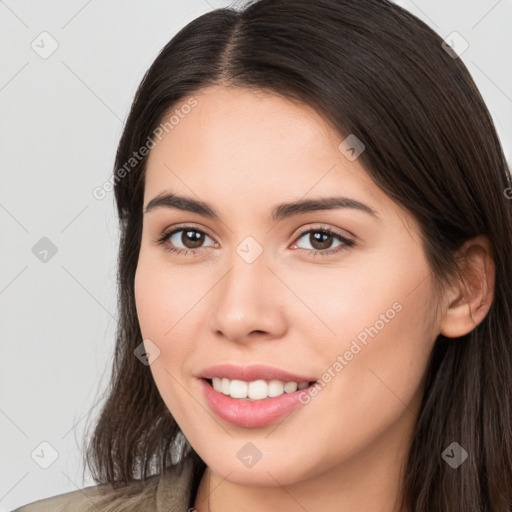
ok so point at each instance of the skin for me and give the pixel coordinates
(244, 152)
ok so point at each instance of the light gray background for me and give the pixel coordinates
(60, 121)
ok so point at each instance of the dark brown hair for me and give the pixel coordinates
(374, 70)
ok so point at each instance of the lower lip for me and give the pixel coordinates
(250, 414)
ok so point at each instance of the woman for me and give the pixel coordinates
(314, 270)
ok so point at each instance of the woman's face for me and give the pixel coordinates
(263, 285)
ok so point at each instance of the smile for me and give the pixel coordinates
(252, 413)
(256, 389)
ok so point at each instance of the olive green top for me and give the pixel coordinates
(170, 492)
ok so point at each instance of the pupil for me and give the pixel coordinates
(193, 238)
(320, 239)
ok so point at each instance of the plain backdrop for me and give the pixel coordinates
(68, 73)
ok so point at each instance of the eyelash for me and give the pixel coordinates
(347, 243)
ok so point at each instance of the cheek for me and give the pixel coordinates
(168, 303)
(384, 354)
(162, 296)
(376, 330)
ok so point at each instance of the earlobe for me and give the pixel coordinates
(468, 301)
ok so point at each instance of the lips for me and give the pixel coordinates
(245, 413)
(252, 373)
(249, 414)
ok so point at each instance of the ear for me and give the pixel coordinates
(470, 297)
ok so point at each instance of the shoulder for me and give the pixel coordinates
(75, 500)
(158, 493)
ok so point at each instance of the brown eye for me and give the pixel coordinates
(321, 241)
(184, 239)
(192, 239)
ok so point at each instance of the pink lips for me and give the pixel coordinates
(254, 372)
(246, 413)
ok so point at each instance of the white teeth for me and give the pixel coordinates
(238, 389)
(290, 387)
(256, 389)
(217, 384)
(275, 388)
(225, 386)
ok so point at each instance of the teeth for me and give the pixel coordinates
(275, 388)
(290, 387)
(224, 386)
(238, 389)
(256, 389)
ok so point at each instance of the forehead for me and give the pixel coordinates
(256, 145)
(234, 122)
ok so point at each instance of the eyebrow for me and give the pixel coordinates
(279, 212)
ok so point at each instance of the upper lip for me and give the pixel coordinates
(253, 372)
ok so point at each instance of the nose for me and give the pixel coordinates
(248, 302)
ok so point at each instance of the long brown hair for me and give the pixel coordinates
(373, 70)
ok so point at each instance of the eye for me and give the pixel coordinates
(191, 237)
(321, 240)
